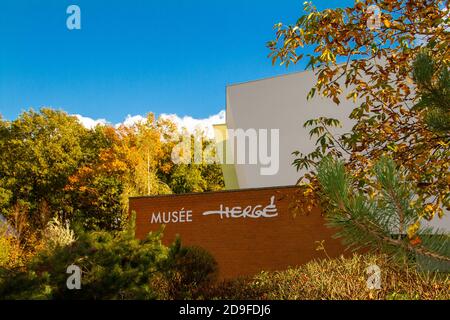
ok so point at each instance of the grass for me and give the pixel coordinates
(337, 279)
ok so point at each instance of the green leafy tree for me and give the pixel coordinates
(201, 174)
(40, 150)
(97, 203)
(187, 178)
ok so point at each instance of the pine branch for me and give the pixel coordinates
(367, 222)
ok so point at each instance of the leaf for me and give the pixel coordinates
(336, 100)
(412, 229)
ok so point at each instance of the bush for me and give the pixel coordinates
(5, 249)
(241, 288)
(114, 266)
(12, 252)
(57, 234)
(190, 270)
(337, 279)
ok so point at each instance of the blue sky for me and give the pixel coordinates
(132, 57)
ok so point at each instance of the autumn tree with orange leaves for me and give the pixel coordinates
(365, 53)
(52, 166)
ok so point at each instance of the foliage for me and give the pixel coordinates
(13, 254)
(190, 270)
(54, 172)
(373, 68)
(22, 240)
(187, 178)
(386, 219)
(434, 90)
(58, 234)
(54, 167)
(337, 279)
(114, 266)
(198, 175)
(39, 152)
(5, 250)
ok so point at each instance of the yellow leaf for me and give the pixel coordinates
(412, 229)
(387, 23)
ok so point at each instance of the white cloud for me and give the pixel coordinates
(90, 123)
(189, 123)
(132, 120)
(192, 124)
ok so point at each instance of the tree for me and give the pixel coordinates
(122, 163)
(374, 66)
(187, 178)
(52, 166)
(95, 189)
(40, 150)
(434, 92)
(142, 145)
(386, 219)
(199, 174)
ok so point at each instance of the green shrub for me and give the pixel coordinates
(190, 270)
(114, 266)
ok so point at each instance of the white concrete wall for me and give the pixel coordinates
(280, 103)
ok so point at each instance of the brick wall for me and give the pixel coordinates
(242, 245)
